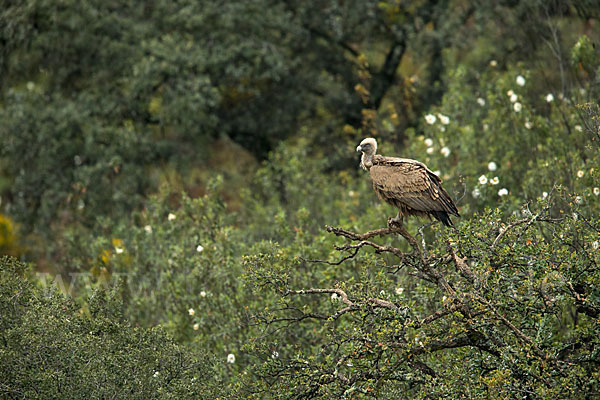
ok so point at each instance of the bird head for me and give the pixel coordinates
(368, 146)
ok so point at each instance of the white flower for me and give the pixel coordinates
(203, 294)
(196, 327)
(351, 193)
(199, 248)
(156, 374)
(544, 195)
(514, 98)
(429, 150)
(520, 80)
(191, 311)
(580, 174)
(445, 151)
(30, 86)
(382, 293)
(230, 358)
(510, 93)
(399, 290)
(481, 101)
(502, 192)
(476, 193)
(335, 297)
(495, 180)
(437, 172)
(119, 250)
(428, 142)
(430, 118)
(171, 217)
(444, 298)
(492, 166)
(274, 354)
(578, 128)
(442, 129)
(528, 125)
(596, 191)
(493, 63)
(595, 245)
(483, 180)
(578, 200)
(444, 119)
(549, 98)
(517, 107)
(148, 229)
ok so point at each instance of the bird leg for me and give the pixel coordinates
(395, 221)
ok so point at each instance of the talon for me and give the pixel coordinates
(394, 223)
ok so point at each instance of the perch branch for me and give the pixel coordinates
(378, 232)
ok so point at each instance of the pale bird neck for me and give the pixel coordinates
(366, 161)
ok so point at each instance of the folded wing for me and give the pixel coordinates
(412, 187)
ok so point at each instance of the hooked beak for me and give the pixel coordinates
(358, 148)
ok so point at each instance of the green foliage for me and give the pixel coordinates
(168, 79)
(71, 165)
(51, 347)
(180, 252)
(494, 309)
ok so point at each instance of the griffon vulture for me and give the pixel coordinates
(406, 184)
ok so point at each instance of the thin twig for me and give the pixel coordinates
(333, 263)
(509, 227)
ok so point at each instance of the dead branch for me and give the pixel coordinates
(344, 298)
(333, 263)
(505, 230)
(438, 314)
(461, 264)
(339, 292)
(378, 232)
(378, 248)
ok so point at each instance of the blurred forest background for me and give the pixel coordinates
(167, 169)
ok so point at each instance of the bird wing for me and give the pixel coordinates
(412, 183)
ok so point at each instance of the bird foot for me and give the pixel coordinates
(394, 222)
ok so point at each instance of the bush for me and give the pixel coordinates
(52, 347)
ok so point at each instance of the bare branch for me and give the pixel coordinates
(462, 266)
(344, 298)
(505, 230)
(334, 263)
(438, 314)
(339, 292)
(378, 248)
(395, 229)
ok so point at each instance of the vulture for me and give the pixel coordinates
(406, 184)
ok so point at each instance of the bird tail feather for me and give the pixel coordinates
(443, 216)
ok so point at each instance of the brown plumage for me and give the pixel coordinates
(406, 184)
